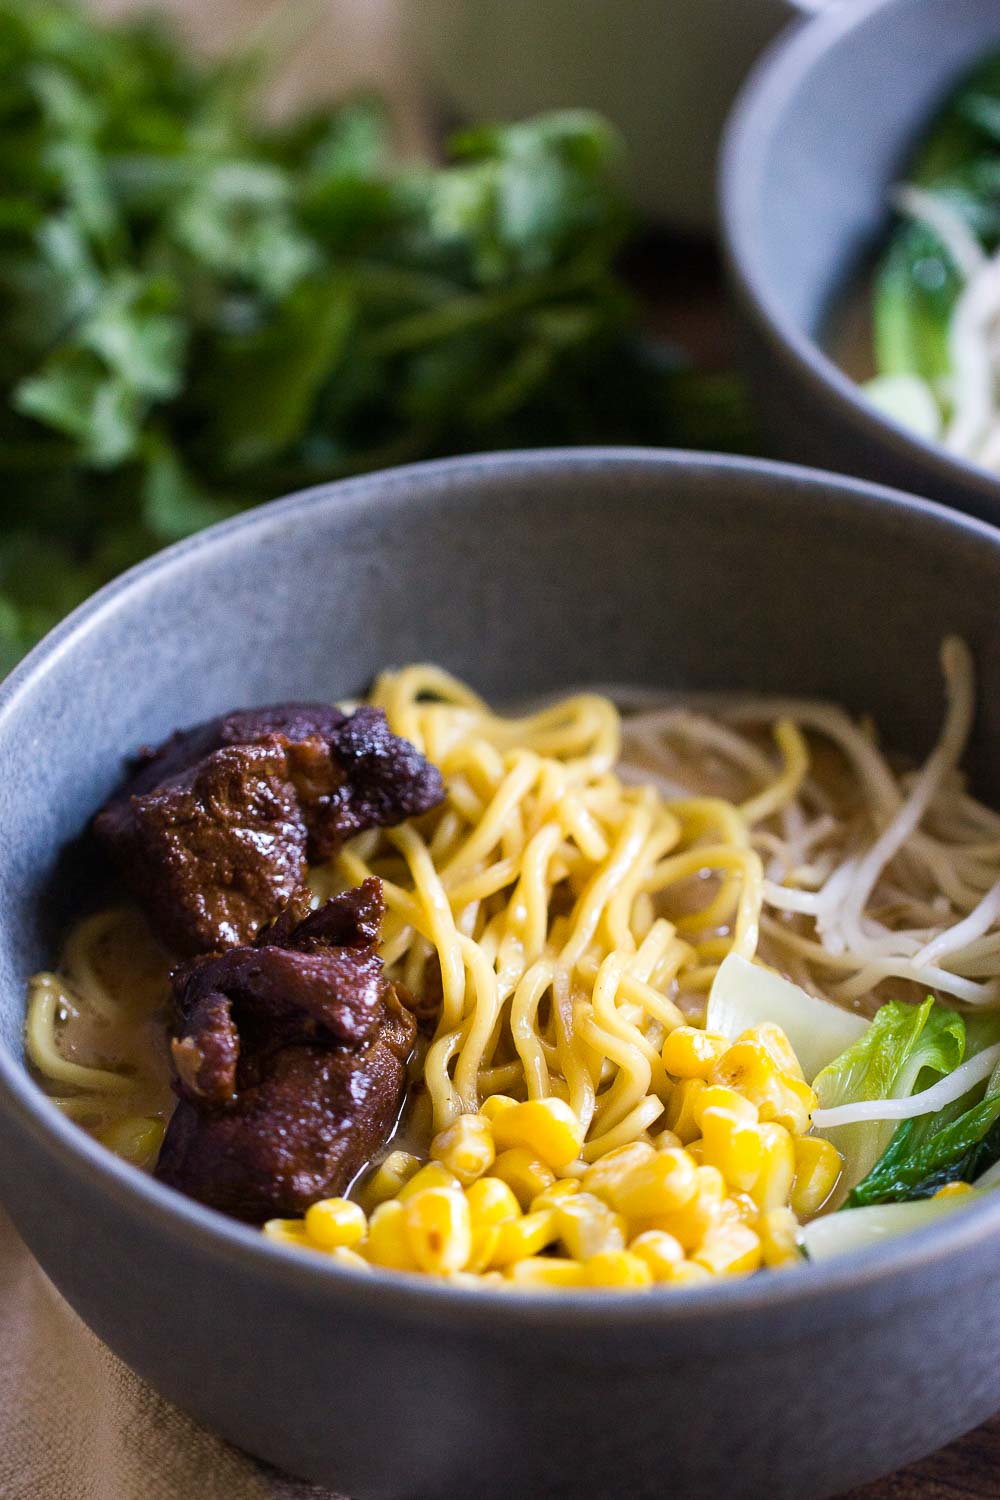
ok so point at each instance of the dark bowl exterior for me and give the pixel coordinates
(821, 131)
(523, 573)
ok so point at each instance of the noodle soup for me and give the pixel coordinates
(687, 989)
(922, 336)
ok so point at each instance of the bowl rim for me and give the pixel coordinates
(777, 79)
(412, 1298)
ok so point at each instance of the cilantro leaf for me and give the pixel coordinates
(200, 310)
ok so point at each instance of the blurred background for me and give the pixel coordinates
(345, 45)
(664, 71)
(255, 245)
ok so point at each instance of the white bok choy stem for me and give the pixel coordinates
(864, 1228)
(744, 994)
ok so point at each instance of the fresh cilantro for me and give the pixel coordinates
(199, 312)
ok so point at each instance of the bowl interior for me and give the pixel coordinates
(521, 574)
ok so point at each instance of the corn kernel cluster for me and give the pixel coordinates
(506, 1201)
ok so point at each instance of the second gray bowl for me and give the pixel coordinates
(524, 574)
(822, 130)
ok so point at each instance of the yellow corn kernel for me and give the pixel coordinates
(717, 1096)
(792, 1106)
(706, 1209)
(818, 1165)
(484, 1244)
(287, 1232)
(476, 1281)
(135, 1138)
(388, 1243)
(773, 1186)
(523, 1173)
(348, 1258)
(777, 1044)
(606, 1174)
(434, 1175)
(660, 1185)
(733, 1145)
(439, 1230)
(749, 1068)
(617, 1269)
(779, 1237)
(661, 1252)
(953, 1190)
(387, 1179)
(689, 1052)
(747, 1210)
(680, 1111)
(335, 1221)
(586, 1225)
(465, 1148)
(663, 1140)
(689, 1273)
(546, 1270)
(731, 1249)
(495, 1104)
(526, 1236)
(547, 1127)
(696, 1151)
(491, 1201)
(551, 1197)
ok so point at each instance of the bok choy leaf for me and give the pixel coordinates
(902, 1051)
(955, 1144)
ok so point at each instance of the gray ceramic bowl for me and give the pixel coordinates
(823, 128)
(522, 573)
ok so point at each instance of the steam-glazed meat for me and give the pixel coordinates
(290, 1063)
(214, 829)
(302, 1133)
(217, 849)
(385, 780)
(305, 976)
(186, 747)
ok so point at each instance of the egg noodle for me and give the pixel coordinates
(570, 901)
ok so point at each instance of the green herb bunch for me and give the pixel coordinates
(199, 312)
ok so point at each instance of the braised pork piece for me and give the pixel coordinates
(290, 1060)
(289, 1044)
(214, 829)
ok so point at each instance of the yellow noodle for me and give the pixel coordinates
(482, 1021)
(47, 994)
(699, 814)
(532, 902)
(744, 861)
(537, 883)
(632, 1081)
(79, 960)
(632, 1128)
(570, 917)
(796, 763)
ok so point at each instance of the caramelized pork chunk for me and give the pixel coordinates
(214, 830)
(290, 1062)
